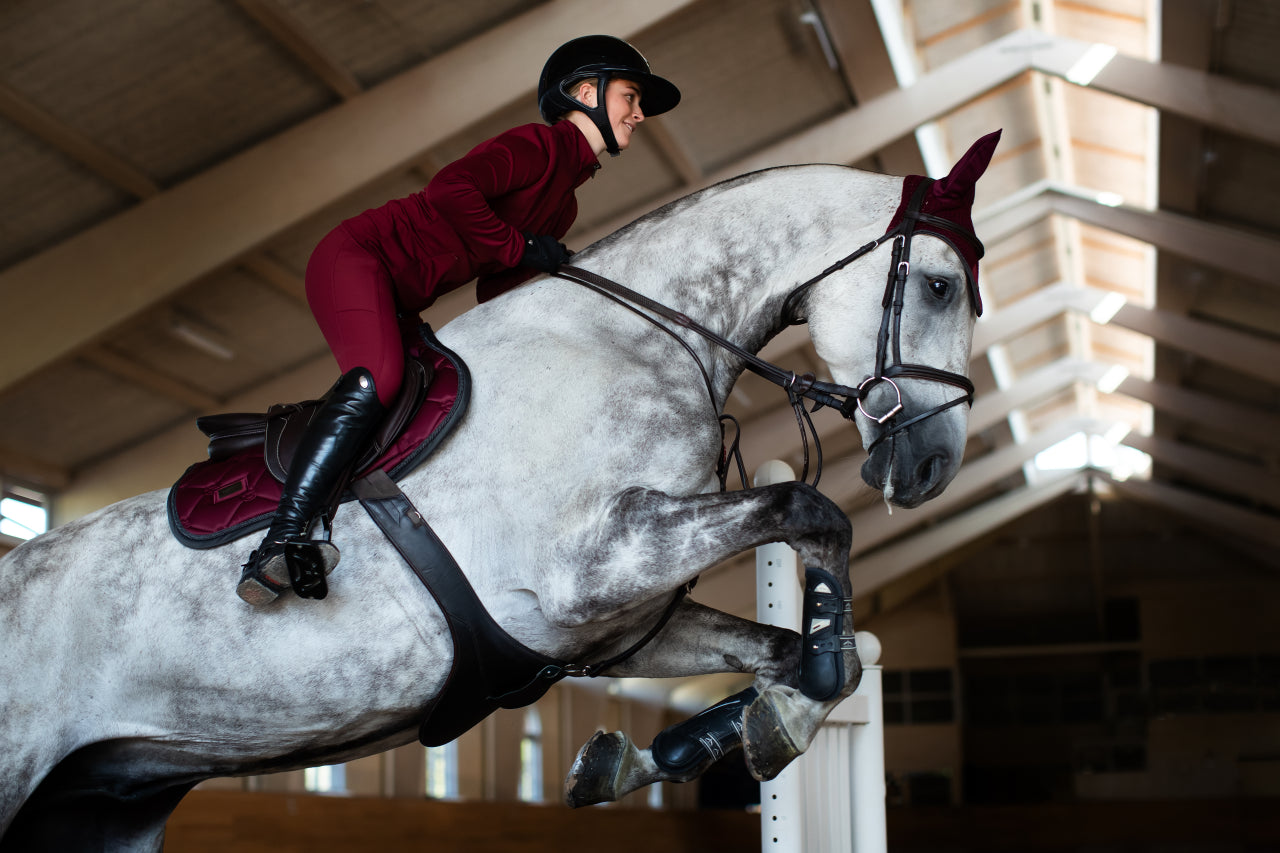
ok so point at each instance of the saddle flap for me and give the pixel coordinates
(285, 424)
(223, 498)
(413, 391)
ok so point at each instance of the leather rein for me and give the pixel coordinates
(799, 387)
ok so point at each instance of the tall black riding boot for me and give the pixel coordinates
(331, 444)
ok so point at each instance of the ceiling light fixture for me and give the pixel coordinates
(201, 341)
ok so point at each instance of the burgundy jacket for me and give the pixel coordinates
(467, 222)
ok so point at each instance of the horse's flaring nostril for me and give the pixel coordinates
(927, 472)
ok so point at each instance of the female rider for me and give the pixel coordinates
(498, 214)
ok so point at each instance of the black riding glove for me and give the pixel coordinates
(543, 252)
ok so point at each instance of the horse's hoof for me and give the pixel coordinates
(598, 770)
(767, 743)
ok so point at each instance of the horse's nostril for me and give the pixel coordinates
(928, 471)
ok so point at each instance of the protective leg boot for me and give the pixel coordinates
(824, 639)
(331, 444)
(690, 747)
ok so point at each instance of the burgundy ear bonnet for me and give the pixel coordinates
(946, 211)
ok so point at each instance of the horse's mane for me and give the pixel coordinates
(677, 206)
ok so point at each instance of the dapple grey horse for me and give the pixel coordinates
(578, 493)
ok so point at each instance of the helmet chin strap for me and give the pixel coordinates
(599, 114)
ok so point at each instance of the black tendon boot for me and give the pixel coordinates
(690, 747)
(331, 444)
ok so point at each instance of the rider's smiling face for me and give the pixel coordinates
(622, 99)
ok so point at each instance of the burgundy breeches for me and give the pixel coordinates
(353, 299)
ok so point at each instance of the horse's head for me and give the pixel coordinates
(910, 359)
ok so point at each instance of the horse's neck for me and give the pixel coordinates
(729, 257)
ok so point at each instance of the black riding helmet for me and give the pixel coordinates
(601, 57)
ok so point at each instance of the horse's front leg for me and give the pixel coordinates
(797, 685)
(697, 640)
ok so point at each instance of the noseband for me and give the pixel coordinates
(890, 335)
(800, 387)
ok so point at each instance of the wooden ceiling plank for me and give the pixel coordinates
(103, 163)
(140, 257)
(291, 35)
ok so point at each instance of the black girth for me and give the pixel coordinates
(490, 668)
(801, 387)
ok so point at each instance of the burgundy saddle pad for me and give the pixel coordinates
(216, 501)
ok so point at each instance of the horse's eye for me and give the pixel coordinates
(939, 287)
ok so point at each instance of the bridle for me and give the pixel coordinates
(799, 387)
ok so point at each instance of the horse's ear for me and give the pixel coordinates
(959, 184)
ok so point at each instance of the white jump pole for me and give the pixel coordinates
(832, 798)
(778, 596)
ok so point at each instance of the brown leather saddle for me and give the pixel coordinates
(235, 490)
(279, 431)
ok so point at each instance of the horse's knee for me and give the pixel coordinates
(817, 527)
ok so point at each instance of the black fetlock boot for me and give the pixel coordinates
(331, 444)
(690, 747)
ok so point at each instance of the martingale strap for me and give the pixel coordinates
(490, 668)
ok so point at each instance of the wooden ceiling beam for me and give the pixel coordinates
(293, 37)
(34, 472)
(126, 264)
(1238, 108)
(868, 71)
(1249, 354)
(1234, 420)
(1249, 255)
(144, 377)
(1210, 513)
(105, 164)
(873, 527)
(872, 571)
(676, 153)
(1222, 473)
(276, 274)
